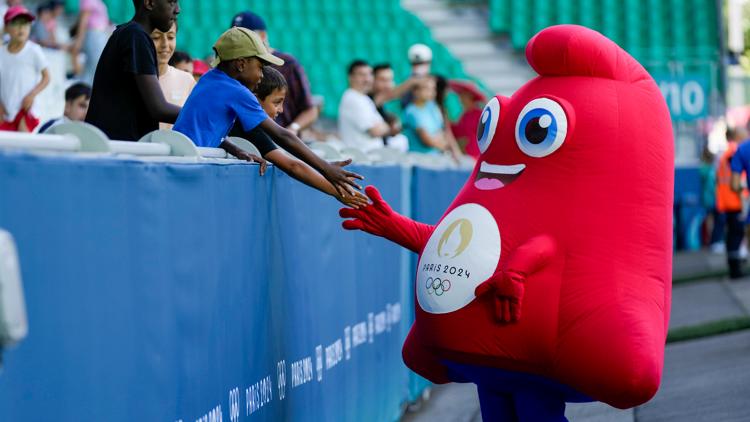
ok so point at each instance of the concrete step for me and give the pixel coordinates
(464, 30)
(459, 31)
(420, 4)
(703, 302)
(686, 264)
(741, 290)
(502, 81)
(704, 380)
(443, 15)
(597, 412)
(502, 85)
(493, 65)
(476, 49)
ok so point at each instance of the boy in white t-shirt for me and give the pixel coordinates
(23, 73)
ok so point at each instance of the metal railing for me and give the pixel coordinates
(172, 146)
(82, 137)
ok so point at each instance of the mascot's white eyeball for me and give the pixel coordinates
(541, 127)
(488, 124)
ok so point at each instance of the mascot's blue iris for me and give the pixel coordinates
(538, 128)
(541, 127)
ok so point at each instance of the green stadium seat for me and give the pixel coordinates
(500, 15)
(521, 25)
(590, 14)
(566, 11)
(541, 15)
(649, 29)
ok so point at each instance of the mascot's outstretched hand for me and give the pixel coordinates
(379, 219)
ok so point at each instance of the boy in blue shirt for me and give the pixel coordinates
(223, 96)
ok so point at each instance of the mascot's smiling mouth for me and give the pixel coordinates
(493, 176)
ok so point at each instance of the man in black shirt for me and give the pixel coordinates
(126, 99)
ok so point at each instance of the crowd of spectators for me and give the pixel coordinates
(131, 79)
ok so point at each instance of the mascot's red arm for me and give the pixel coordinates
(508, 282)
(379, 219)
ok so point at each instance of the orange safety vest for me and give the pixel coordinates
(727, 200)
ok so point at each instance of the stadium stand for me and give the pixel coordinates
(324, 35)
(652, 31)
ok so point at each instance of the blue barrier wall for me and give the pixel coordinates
(166, 292)
(432, 191)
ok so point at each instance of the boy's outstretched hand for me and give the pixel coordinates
(342, 180)
(356, 200)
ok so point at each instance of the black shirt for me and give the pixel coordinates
(387, 117)
(116, 106)
(257, 136)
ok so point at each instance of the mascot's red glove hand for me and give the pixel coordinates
(379, 219)
(508, 283)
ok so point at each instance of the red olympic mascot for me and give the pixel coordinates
(548, 278)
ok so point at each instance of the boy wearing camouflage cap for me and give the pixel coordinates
(223, 96)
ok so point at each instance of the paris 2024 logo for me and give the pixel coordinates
(462, 252)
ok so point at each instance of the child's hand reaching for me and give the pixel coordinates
(356, 201)
(342, 180)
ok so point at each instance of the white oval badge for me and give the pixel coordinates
(462, 252)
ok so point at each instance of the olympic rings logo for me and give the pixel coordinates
(437, 286)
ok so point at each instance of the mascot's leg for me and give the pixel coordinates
(496, 406)
(515, 396)
(420, 360)
(539, 405)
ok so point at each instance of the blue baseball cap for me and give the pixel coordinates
(249, 20)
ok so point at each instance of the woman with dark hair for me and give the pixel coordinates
(176, 84)
(441, 84)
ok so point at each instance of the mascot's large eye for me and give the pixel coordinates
(488, 124)
(541, 127)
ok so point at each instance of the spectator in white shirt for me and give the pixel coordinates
(23, 73)
(360, 124)
(176, 84)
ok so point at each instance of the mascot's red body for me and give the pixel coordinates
(555, 257)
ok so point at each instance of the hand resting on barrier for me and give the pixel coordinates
(241, 154)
